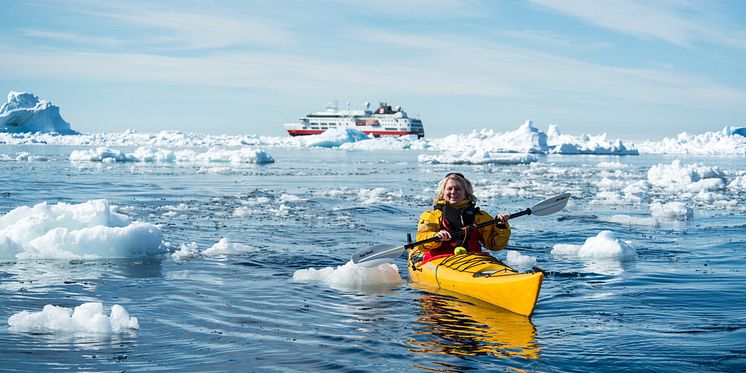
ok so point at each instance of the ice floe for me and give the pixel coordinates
(86, 318)
(89, 230)
(603, 246)
(352, 276)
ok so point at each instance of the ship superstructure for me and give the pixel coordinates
(384, 121)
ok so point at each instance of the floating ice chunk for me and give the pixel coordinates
(186, 252)
(9, 248)
(676, 211)
(603, 246)
(28, 157)
(606, 246)
(86, 318)
(88, 230)
(738, 183)
(153, 154)
(226, 247)
(565, 250)
(610, 184)
(475, 156)
(334, 137)
(352, 276)
(371, 196)
(218, 155)
(387, 143)
(612, 165)
(291, 198)
(628, 196)
(100, 154)
(516, 259)
(679, 177)
(378, 195)
(633, 220)
(638, 188)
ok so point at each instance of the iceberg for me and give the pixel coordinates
(25, 113)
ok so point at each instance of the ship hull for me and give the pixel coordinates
(304, 132)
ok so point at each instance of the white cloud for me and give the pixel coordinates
(442, 65)
(677, 22)
(181, 28)
(68, 37)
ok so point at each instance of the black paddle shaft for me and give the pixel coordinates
(480, 225)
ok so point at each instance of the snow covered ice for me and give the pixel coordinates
(149, 154)
(43, 125)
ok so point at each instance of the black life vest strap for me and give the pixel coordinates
(458, 218)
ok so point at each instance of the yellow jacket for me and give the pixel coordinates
(492, 237)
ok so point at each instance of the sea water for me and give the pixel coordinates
(676, 304)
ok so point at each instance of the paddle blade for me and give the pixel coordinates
(551, 205)
(374, 253)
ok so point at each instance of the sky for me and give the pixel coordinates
(631, 69)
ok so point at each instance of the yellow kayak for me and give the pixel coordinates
(480, 276)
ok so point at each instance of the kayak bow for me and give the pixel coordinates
(480, 276)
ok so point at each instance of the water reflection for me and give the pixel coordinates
(456, 325)
(45, 275)
(606, 267)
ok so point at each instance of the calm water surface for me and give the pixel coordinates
(678, 306)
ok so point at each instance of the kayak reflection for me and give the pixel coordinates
(449, 323)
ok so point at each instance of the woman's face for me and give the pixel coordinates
(453, 193)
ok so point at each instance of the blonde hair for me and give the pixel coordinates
(461, 180)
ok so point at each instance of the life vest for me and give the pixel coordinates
(453, 220)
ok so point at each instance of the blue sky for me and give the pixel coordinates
(631, 69)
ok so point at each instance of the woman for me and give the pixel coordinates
(453, 219)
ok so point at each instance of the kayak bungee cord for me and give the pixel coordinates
(464, 263)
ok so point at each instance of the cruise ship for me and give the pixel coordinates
(384, 121)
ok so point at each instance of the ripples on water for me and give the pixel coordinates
(679, 306)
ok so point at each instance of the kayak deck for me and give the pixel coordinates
(481, 276)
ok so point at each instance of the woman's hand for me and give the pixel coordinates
(444, 235)
(502, 218)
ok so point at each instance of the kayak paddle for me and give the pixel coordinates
(381, 253)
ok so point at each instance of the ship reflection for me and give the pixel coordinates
(452, 324)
